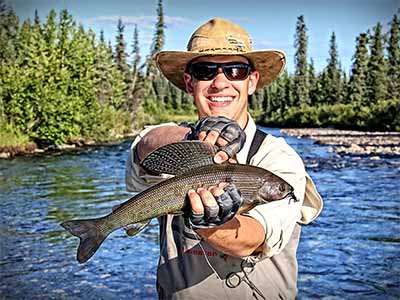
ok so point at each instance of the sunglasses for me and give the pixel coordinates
(209, 70)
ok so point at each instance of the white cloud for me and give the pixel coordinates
(144, 22)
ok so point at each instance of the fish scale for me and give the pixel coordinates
(168, 197)
(257, 186)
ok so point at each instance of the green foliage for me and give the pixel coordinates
(300, 78)
(358, 80)
(377, 67)
(11, 136)
(393, 49)
(57, 89)
(58, 83)
(333, 73)
(382, 116)
(8, 32)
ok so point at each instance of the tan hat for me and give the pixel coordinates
(220, 37)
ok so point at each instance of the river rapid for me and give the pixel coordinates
(352, 251)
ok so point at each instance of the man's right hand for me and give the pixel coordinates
(212, 207)
(220, 131)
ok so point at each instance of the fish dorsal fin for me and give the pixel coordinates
(178, 158)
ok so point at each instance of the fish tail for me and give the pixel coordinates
(89, 234)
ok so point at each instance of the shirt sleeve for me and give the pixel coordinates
(136, 178)
(279, 217)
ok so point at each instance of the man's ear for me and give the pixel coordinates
(187, 78)
(253, 80)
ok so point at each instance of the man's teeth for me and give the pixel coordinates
(221, 99)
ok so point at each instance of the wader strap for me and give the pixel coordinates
(255, 144)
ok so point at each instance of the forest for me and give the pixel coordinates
(61, 83)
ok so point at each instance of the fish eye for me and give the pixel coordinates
(282, 187)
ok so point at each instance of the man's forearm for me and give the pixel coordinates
(159, 137)
(239, 237)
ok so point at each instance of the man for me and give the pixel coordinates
(249, 256)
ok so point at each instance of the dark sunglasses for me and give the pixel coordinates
(208, 70)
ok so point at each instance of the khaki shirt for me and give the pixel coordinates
(192, 269)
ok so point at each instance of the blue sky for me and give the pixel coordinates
(270, 23)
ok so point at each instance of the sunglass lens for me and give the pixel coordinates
(204, 71)
(238, 72)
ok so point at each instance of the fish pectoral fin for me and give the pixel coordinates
(180, 157)
(134, 229)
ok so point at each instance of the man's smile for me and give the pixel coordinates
(220, 101)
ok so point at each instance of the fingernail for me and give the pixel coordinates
(218, 159)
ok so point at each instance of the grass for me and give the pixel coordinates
(13, 142)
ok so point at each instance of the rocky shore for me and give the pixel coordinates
(352, 142)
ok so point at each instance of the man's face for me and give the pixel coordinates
(221, 96)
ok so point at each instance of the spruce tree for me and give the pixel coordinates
(393, 50)
(313, 84)
(120, 54)
(377, 67)
(137, 83)
(358, 93)
(101, 39)
(158, 41)
(157, 85)
(300, 59)
(8, 32)
(135, 56)
(334, 88)
(36, 19)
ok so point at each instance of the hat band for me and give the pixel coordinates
(239, 50)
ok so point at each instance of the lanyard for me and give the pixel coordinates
(233, 280)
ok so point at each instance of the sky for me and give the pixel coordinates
(271, 24)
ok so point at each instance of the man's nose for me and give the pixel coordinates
(220, 81)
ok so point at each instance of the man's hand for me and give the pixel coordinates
(213, 207)
(220, 131)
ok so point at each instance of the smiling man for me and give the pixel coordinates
(212, 252)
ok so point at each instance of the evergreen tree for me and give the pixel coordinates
(157, 85)
(8, 32)
(377, 68)
(358, 78)
(313, 84)
(393, 50)
(137, 87)
(102, 37)
(36, 19)
(108, 81)
(120, 54)
(334, 84)
(300, 77)
(135, 52)
(158, 41)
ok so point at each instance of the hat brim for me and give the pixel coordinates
(269, 63)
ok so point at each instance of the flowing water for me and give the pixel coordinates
(352, 251)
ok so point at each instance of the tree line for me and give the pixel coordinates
(59, 83)
(367, 99)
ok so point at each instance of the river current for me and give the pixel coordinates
(352, 251)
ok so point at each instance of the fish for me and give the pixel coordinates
(193, 167)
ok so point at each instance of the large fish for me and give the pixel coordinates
(192, 163)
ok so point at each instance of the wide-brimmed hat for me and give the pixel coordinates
(220, 37)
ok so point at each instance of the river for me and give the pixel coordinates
(352, 251)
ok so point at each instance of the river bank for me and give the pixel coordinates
(345, 142)
(31, 148)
